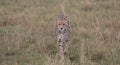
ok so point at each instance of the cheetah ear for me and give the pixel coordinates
(58, 17)
(67, 19)
(57, 20)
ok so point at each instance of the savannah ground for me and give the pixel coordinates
(27, 35)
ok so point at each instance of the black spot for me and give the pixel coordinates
(60, 45)
(66, 40)
(59, 40)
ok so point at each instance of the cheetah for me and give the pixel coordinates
(62, 34)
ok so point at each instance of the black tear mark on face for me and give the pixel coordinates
(62, 31)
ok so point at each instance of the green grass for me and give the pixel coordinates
(27, 35)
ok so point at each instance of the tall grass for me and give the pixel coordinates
(27, 34)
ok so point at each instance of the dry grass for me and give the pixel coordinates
(27, 32)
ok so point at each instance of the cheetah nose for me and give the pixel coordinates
(61, 28)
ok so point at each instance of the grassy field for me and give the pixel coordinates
(27, 35)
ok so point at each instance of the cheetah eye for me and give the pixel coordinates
(63, 24)
(58, 24)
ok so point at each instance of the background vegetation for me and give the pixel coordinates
(27, 34)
